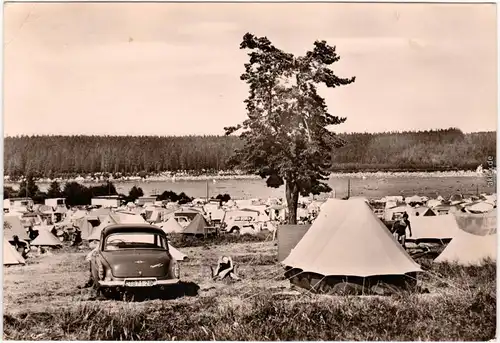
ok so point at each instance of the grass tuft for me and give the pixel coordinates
(182, 241)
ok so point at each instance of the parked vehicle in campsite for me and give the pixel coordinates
(240, 224)
(132, 257)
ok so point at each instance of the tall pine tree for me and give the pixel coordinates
(286, 136)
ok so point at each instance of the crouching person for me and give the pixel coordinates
(225, 267)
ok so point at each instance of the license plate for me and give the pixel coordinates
(140, 283)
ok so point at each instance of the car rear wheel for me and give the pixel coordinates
(235, 230)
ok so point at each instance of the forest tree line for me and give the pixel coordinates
(59, 156)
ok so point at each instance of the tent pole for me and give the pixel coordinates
(207, 191)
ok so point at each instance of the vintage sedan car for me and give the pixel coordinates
(133, 257)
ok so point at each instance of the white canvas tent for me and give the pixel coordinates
(468, 249)
(96, 232)
(14, 228)
(85, 227)
(395, 213)
(479, 207)
(115, 218)
(477, 224)
(45, 237)
(10, 255)
(348, 239)
(433, 203)
(414, 198)
(433, 227)
(171, 226)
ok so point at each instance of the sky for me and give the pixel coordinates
(173, 68)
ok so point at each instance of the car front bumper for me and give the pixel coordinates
(122, 283)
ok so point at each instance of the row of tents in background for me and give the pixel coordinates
(430, 218)
(392, 208)
(389, 208)
(45, 229)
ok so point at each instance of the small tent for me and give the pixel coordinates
(96, 231)
(115, 218)
(46, 238)
(188, 213)
(171, 226)
(456, 199)
(348, 242)
(468, 249)
(14, 227)
(420, 211)
(491, 199)
(10, 255)
(433, 228)
(395, 213)
(415, 199)
(127, 218)
(479, 207)
(431, 203)
(78, 214)
(153, 214)
(477, 224)
(198, 226)
(85, 227)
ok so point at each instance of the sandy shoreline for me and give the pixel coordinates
(165, 178)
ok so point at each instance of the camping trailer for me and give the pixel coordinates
(106, 201)
(145, 200)
(18, 204)
(55, 202)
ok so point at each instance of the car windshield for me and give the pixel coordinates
(135, 240)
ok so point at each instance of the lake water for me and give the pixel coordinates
(370, 187)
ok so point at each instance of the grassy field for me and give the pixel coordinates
(42, 302)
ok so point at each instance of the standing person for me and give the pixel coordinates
(78, 237)
(399, 229)
(406, 218)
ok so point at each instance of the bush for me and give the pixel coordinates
(183, 241)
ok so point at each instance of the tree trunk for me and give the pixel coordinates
(292, 199)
